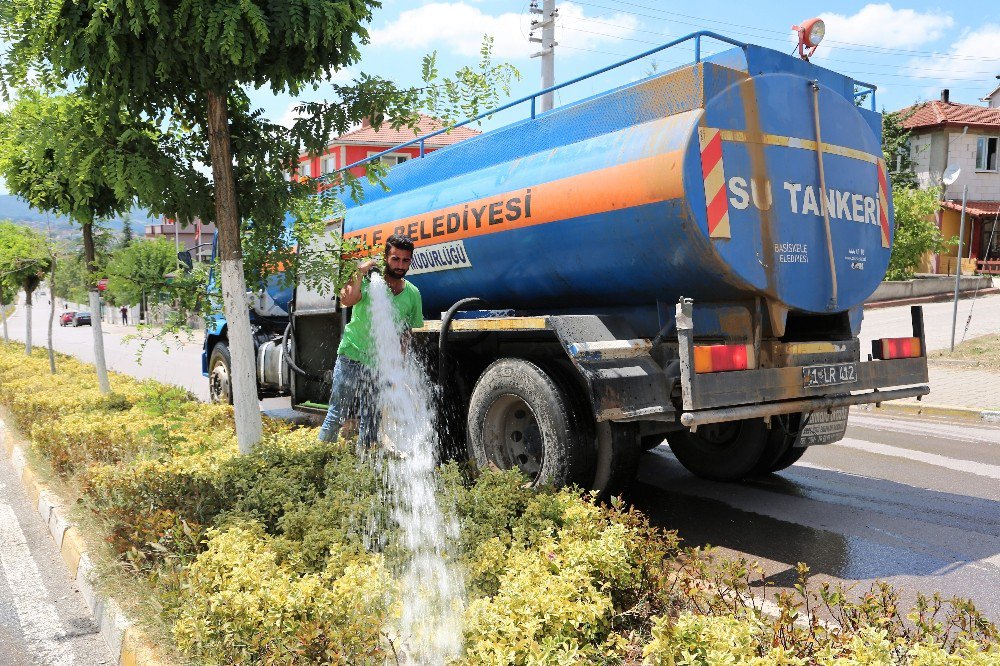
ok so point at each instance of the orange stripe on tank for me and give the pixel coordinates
(649, 180)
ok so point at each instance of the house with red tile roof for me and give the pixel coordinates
(366, 141)
(947, 134)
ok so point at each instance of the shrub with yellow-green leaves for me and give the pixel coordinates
(267, 558)
(248, 605)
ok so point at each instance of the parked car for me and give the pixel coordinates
(81, 319)
(66, 317)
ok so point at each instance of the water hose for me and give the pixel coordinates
(291, 364)
(443, 337)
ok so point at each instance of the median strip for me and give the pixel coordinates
(285, 555)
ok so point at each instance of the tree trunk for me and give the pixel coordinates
(52, 313)
(3, 315)
(27, 322)
(246, 406)
(90, 258)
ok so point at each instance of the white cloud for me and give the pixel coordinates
(460, 26)
(291, 115)
(882, 26)
(964, 59)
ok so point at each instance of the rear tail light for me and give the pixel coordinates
(723, 358)
(890, 348)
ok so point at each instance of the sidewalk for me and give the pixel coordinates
(957, 389)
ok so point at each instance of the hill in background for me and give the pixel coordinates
(17, 210)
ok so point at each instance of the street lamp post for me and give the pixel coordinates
(958, 268)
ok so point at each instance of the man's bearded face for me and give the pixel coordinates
(397, 262)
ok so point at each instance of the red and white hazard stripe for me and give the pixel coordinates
(883, 207)
(716, 200)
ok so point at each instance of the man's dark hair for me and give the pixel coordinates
(399, 242)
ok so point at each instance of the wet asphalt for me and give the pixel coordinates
(912, 501)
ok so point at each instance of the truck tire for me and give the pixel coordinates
(789, 458)
(618, 452)
(780, 438)
(220, 373)
(726, 451)
(519, 417)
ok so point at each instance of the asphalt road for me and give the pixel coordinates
(913, 501)
(43, 617)
(177, 361)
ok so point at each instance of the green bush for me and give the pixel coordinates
(916, 232)
(245, 606)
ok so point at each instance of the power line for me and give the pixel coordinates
(824, 57)
(701, 21)
(953, 82)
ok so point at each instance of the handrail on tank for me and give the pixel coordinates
(866, 88)
(696, 36)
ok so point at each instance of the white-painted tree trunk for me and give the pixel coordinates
(246, 406)
(98, 332)
(52, 317)
(27, 327)
(3, 315)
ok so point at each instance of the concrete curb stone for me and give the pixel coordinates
(948, 411)
(129, 644)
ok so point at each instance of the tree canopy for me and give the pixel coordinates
(24, 256)
(138, 268)
(188, 65)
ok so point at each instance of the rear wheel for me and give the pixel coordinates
(520, 418)
(220, 385)
(789, 458)
(781, 437)
(618, 451)
(726, 451)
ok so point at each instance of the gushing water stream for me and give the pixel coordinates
(433, 590)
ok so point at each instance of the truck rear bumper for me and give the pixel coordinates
(775, 385)
(730, 396)
(701, 417)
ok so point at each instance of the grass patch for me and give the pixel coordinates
(982, 353)
(263, 558)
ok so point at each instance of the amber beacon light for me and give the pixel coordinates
(810, 34)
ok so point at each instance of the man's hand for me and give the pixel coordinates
(351, 293)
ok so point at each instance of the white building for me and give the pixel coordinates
(949, 134)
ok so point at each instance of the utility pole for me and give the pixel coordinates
(547, 24)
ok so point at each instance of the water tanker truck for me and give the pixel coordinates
(683, 257)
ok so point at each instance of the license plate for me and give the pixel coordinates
(830, 374)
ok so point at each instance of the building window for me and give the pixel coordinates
(329, 164)
(986, 153)
(304, 169)
(392, 159)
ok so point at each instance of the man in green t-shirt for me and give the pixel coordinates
(354, 383)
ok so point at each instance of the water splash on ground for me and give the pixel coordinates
(433, 590)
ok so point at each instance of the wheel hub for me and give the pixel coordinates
(513, 438)
(219, 383)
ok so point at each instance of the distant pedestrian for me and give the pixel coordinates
(125, 315)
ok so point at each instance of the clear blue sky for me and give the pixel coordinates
(909, 50)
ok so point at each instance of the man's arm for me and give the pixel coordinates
(350, 295)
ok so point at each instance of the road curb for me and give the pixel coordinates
(948, 411)
(933, 298)
(130, 644)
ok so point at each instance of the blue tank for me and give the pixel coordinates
(704, 182)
